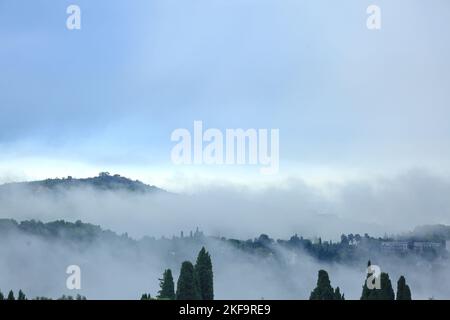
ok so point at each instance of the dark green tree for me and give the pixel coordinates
(344, 240)
(338, 295)
(187, 285)
(146, 296)
(385, 292)
(21, 295)
(10, 295)
(204, 274)
(324, 290)
(365, 291)
(403, 291)
(167, 286)
(2, 297)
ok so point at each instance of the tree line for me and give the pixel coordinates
(22, 296)
(195, 282)
(10, 296)
(324, 290)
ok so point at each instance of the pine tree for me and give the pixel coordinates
(187, 285)
(403, 291)
(323, 291)
(21, 296)
(2, 297)
(11, 295)
(204, 274)
(167, 286)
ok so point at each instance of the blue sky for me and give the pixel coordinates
(348, 101)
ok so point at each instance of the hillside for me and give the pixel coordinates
(104, 181)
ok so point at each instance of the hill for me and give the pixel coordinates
(104, 181)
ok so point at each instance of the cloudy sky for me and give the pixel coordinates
(349, 102)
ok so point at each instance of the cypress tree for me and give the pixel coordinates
(167, 286)
(21, 296)
(366, 292)
(187, 285)
(403, 291)
(146, 296)
(387, 292)
(11, 295)
(337, 294)
(204, 274)
(384, 293)
(323, 291)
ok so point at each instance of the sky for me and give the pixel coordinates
(363, 119)
(350, 103)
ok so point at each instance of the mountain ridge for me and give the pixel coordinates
(104, 182)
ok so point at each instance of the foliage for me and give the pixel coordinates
(204, 274)
(187, 285)
(385, 292)
(403, 291)
(167, 286)
(21, 296)
(11, 296)
(324, 290)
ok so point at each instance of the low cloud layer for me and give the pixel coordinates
(111, 271)
(377, 207)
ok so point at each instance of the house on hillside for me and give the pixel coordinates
(401, 246)
(421, 246)
(395, 246)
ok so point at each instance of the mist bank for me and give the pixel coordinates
(35, 256)
(377, 206)
(127, 264)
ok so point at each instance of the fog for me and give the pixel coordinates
(378, 206)
(125, 272)
(111, 271)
